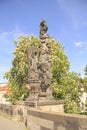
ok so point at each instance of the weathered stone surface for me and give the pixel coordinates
(40, 75)
(32, 126)
(45, 63)
(33, 76)
(44, 128)
(40, 120)
(50, 105)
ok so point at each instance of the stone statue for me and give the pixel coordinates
(45, 62)
(33, 75)
(43, 30)
(40, 75)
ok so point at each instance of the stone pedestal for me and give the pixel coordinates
(34, 90)
(45, 105)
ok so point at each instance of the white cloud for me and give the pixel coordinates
(75, 11)
(7, 47)
(80, 44)
(81, 52)
(4, 68)
(17, 32)
(82, 47)
(4, 37)
(7, 39)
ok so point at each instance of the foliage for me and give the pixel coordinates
(69, 91)
(85, 88)
(60, 63)
(18, 74)
(65, 84)
(85, 70)
(60, 67)
(71, 106)
(85, 78)
(72, 87)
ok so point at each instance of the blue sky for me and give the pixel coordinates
(66, 19)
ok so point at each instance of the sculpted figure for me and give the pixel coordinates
(45, 61)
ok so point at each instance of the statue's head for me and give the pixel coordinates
(43, 25)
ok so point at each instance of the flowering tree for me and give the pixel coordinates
(18, 74)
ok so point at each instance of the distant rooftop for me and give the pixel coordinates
(3, 84)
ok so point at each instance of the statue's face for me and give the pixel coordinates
(43, 26)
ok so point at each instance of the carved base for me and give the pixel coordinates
(42, 96)
(42, 103)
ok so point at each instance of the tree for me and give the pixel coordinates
(85, 70)
(85, 78)
(85, 88)
(60, 68)
(18, 74)
(72, 83)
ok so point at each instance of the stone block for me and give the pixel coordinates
(72, 121)
(32, 126)
(52, 108)
(44, 128)
(83, 122)
(60, 127)
(41, 122)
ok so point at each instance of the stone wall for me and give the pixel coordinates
(40, 120)
(16, 112)
(44, 120)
